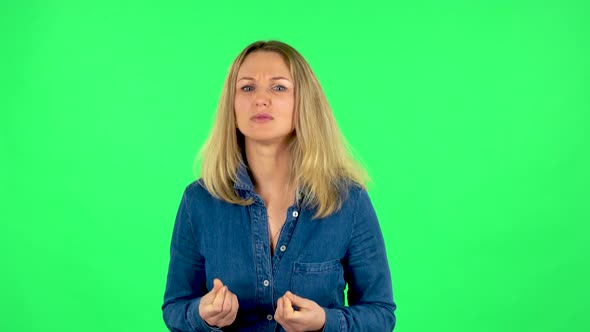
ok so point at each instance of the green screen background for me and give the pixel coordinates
(470, 116)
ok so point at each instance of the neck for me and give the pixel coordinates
(269, 166)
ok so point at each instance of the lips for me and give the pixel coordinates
(261, 117)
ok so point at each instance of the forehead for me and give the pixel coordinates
(264, 63)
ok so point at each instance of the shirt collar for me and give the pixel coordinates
(245, 187)
(243, 180)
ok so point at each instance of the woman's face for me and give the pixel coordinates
(265, 98)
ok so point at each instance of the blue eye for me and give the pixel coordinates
(247, 88)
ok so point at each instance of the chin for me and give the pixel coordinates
(267, 139)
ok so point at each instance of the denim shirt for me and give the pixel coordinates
(314, 259)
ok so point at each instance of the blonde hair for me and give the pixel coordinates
(322, 164)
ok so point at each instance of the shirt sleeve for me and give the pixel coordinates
(366, 270)
(185, 283)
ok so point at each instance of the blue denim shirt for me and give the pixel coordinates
(314, 259)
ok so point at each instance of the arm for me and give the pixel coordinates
(370, 295)
(186, 276)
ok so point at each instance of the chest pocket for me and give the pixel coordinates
(321, 282)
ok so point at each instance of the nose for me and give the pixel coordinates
(262, 98)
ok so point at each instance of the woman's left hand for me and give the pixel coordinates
(309, 316)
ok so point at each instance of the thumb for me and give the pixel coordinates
(217, 285)
(298, 300)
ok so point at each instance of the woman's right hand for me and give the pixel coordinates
(219, 307)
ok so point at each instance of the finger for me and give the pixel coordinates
(217, 285)
(299, 301)
(209, 297)
(227, 303)
(287, 308)
(234, 308)
(280, 306)
(229, 312)
(218, 301)
(236, 303)
(279, 311)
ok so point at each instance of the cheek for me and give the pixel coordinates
(240, 109)
(240, 104)
(292, 113)
(286, 104)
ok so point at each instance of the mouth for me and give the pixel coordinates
(262, 117)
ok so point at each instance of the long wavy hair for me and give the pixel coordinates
(322, 164)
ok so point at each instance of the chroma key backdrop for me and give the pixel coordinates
(471, 117)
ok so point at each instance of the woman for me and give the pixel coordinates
(279, 222)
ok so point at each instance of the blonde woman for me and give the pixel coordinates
(279, 221)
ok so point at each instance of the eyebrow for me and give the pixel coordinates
(272, 78)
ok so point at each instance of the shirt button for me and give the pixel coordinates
(295, 214)
(269, 317)
(266, 283)
(283, 248)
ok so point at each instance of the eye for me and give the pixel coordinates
(280, 88)
(246, 88)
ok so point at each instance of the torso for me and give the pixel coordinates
(276, 220)
(230, 249)
(277, 203)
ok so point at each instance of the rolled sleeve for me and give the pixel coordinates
(196, 321)
(334, 321)
(185, 283)
(370, 294)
